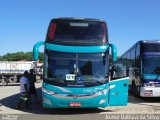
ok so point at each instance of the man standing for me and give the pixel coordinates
(32, 88)
(24, 88)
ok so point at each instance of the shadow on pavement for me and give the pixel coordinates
(9, 84)
(144, 100)
(11, 102)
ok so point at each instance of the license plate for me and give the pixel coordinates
(75, 104)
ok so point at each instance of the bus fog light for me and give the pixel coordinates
(47, 101)
(102, 101)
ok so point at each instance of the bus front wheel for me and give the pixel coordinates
(135, 89)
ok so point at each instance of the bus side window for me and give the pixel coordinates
(137, 55)
(124, 63)
(128, 63)
(133, 57)
(118, 70)
(137, 61)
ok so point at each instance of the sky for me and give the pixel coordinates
(25, 22)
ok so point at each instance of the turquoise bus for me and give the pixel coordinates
(76, 66)
(142, 63)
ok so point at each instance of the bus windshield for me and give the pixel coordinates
(151, 65)
(77, 32)
(76, 68)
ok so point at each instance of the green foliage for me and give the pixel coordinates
(20, 56)
(41, 57)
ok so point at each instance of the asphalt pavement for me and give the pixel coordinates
(9, 97)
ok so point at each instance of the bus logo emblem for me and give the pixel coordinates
(75, 96)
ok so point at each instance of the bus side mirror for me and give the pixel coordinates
(114, 52)
(36, 50)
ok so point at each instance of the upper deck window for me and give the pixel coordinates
(77, 32)
(151, 47)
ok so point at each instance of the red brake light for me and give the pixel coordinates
(104, 31)
(51, 31)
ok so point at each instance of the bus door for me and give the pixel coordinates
(118, 87)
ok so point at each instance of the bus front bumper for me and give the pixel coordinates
(50, 101)
(150, 92)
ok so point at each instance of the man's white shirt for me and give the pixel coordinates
(23, 80)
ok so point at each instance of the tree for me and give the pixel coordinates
(20, 56)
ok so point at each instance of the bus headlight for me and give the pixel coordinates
(103, 92)
(49, 92)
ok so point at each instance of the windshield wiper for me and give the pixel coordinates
(55, 79)
(101, 81)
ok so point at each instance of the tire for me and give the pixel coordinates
(12, 79)
(134, 90)
(3, 82)
(138, 91)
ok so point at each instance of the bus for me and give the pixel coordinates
(76, 66)
(142, 63)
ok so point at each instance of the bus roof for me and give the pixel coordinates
(149, 41)
(74, 18)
